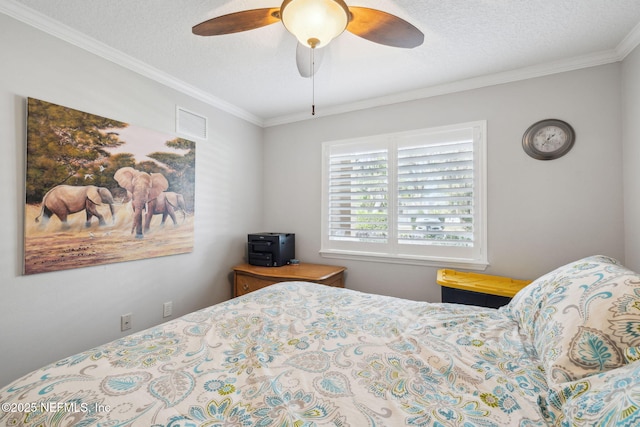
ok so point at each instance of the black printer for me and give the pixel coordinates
(271, 249)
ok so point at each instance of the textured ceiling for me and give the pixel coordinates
(255, 74)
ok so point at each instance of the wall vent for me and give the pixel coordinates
(190, 124)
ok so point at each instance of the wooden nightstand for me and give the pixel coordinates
(248, 278)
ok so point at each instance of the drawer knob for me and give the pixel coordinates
(245, 287)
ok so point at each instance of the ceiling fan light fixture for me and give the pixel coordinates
(315, 22)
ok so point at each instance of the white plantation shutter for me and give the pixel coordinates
(358, 196)
(414, 197)
(435, 194)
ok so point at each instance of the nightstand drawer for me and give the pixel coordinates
(245, 284)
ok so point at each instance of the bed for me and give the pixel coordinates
(564, 352)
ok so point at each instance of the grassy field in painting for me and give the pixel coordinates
(52, 247)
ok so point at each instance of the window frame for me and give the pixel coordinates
(449, 256)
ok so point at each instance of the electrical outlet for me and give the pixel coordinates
(167, 309)
(125, 322)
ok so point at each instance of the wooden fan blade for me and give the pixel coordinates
(303, 60)
(237, 22)
(384, 28)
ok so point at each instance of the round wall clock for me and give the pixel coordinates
(548, 139)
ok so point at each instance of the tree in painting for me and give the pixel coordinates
(65, 147)
(183, 167)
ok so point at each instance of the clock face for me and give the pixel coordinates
(548, 139)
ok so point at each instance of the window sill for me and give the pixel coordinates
(479, 265)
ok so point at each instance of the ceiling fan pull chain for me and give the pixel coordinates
(313, 82)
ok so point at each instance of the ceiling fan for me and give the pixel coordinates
(316, 22)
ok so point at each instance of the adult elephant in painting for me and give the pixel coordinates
(144, 188)
(167, 203)
(64, 200)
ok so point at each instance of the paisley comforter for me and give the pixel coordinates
(301, 354)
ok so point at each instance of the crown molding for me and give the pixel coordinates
(69, 35)
(629, 43)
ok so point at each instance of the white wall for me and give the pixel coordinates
(49, 316)
(631, 155)
(541, 214)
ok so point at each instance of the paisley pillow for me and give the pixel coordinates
(610, 398)
(581, 318)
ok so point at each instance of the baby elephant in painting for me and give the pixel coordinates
(64, 200)
(167, 203)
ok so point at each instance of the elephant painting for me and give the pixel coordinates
(144, 188)
(64, 200)
(167, 203)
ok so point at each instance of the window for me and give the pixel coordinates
(412, 197)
